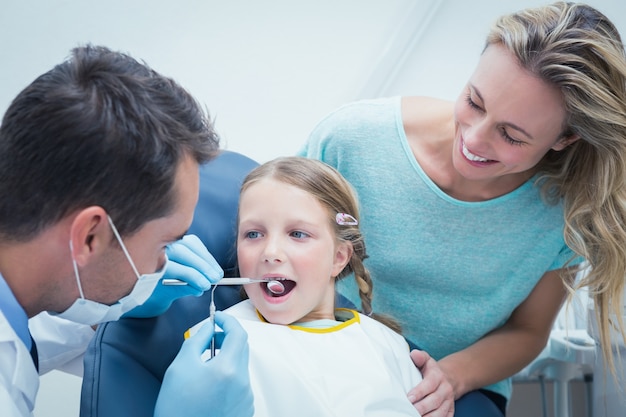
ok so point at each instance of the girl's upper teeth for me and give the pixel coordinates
(471, 156)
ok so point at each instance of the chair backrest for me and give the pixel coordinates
(126, 360)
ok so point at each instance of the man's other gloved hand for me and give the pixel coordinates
(219, 387)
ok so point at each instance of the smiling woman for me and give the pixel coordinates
(506, 121)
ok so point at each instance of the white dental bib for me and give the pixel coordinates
(356, 368)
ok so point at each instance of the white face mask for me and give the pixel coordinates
(91, 312)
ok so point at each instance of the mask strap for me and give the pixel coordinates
(80, 288)
(119, 239)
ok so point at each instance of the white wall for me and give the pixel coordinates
(266, 70)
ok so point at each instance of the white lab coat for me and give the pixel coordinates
(19, 380)
(61, 343)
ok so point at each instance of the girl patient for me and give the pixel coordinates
(298, 225)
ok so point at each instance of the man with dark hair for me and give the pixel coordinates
(99, 163)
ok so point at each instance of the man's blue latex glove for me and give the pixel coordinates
(189, 261)
(219, 387)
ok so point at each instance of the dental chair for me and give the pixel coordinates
(126, 360)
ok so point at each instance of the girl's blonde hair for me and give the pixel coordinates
(577, 49)
(334, 192)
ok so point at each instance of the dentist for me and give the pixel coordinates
(99, 163)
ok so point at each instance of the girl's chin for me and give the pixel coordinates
(279, 319)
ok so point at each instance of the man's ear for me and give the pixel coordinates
(565, 141)
(343, 253)
(90, 234)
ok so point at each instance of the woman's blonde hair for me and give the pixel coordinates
(578, 50)
(334, 192)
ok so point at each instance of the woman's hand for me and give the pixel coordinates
(433, 396)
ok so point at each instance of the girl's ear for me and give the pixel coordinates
(343, 253)
(565, 141)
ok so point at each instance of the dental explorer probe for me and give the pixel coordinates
(212, 319)
(274, 285)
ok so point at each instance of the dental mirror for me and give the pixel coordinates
(275, 287)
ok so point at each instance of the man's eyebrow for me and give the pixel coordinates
(512, 125)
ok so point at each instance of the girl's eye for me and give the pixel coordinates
(470, 102)
(298, 234)
(252, 235)
(509, 139)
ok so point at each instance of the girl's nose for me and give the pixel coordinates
(271, 259)
(272, 252)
